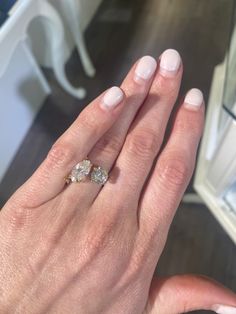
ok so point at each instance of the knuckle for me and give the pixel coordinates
(144, 144)
(19, 218)
(191, 125)
(166, 88)
(175, 171)
(136, 263)
(61, 154)
(109, 145)
(88, 121)
(101, 237)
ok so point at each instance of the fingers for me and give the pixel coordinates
(182, 294)
(147, 131)
(174, 166)
(136, 87)
(73, 146)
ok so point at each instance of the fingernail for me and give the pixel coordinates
(145, 69)
(194, 99)
(112, 98)
(170, 62)
(223, 309)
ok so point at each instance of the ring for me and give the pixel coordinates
(84, 169)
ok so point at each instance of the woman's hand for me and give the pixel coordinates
(85, 249)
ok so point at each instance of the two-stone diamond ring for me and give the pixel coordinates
(85, 169)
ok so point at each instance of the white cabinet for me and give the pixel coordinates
(215, 179)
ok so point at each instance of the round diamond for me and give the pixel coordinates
(99, 175)
(81, 171)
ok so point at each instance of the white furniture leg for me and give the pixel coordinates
(55, 32)
(15, 30)
(71, 9)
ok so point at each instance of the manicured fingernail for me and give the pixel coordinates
(170, 62)
(223, 309)
(112, 98)
(194, 99)
(145, 69)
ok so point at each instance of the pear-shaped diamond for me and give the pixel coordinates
(81, 171)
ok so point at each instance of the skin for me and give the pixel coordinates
(86, 249)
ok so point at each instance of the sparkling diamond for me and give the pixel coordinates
(80, 171)
(99, 175)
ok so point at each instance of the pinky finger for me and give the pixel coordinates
(174, 166)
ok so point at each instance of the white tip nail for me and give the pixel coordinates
(145, 69)
(193, 99)
(223, 309)
(112, 98)
(170, 62)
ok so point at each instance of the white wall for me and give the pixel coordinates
(23, 90)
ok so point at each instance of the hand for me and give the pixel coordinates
(81, 248)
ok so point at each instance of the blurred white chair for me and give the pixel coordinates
(23, 87)
(16, 30)
(71, 10)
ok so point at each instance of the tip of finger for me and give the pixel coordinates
(194, 99)
(145, 69)
(170, 63)
(113, 97)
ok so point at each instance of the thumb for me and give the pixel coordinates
(182, 294)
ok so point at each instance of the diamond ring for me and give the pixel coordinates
(85, 169)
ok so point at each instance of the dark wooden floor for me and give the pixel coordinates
(122, 31)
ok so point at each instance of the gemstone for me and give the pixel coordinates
(81, 171)
(99, 175)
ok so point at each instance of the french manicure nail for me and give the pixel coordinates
(194, 99)
(145, 69)
(223, 309)
(170, 62)
(112, 98)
